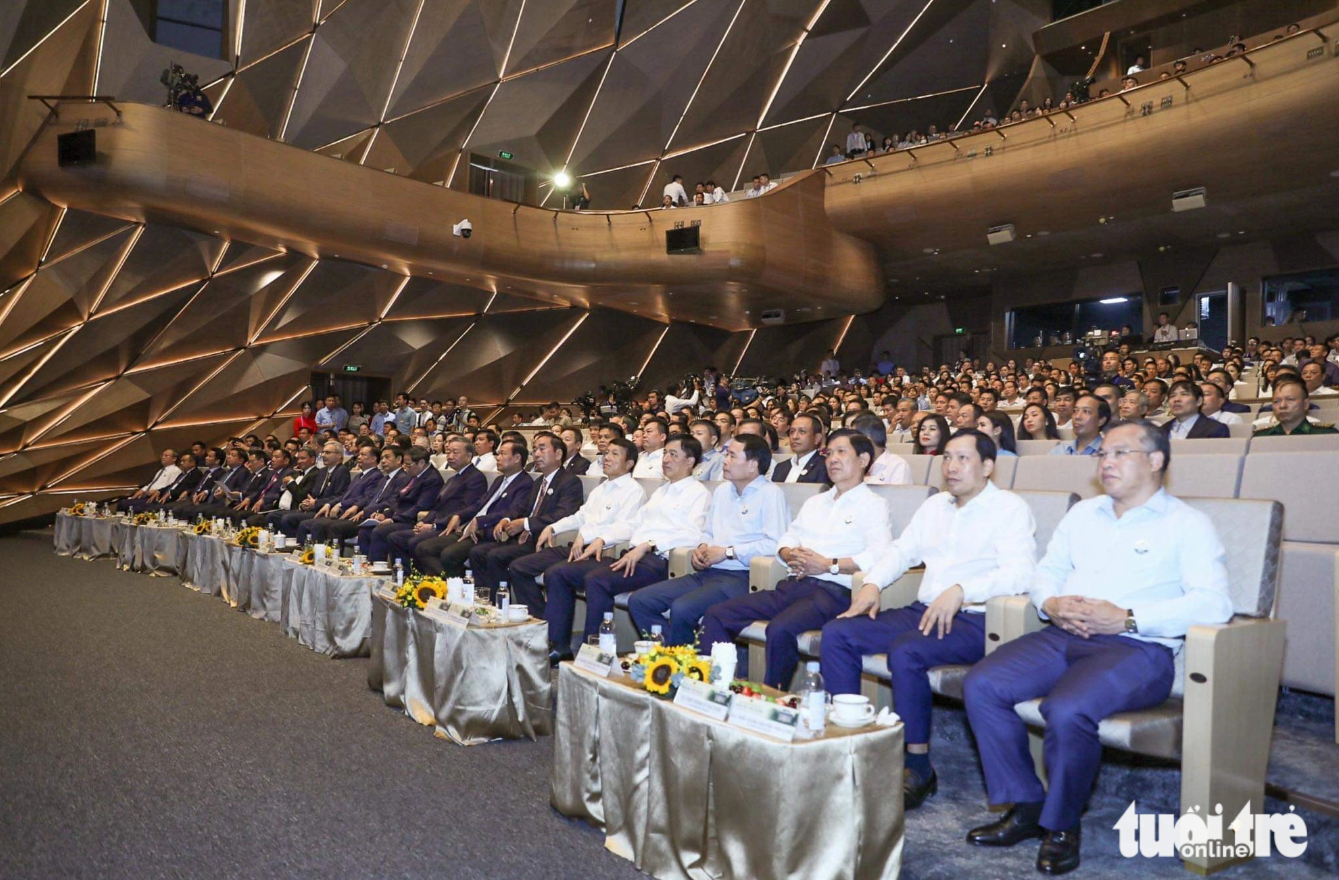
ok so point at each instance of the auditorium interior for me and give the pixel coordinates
(335, 250)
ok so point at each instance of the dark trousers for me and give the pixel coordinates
(288, 521)
(328, 529)
(522, 574)
(261, 519)
(792, 608)
(374, 542)
(133, 505)
(403, 546)
(600, 583)
(1082, 681)
(490, 562)
(444, 555)
(910, 657)
(685, 599)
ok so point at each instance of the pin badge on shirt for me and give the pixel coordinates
(849, 520)
(743, 511)
(550, 492)
(1141, 547)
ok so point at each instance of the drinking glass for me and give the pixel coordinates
(480, 595)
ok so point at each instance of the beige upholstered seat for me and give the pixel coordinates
(650, 484)
(1302, 443)
(1215, 475)
(1058, 473)
(587, 484)
(920, 468)
(1036, 447)
(1232, 445)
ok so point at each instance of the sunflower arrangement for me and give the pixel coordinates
(248, 537)
(143, 519)
(203, 527)
(308, 556)
(663, 669)
(416, 591)
(79, 508)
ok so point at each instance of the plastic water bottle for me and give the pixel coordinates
(813, 699)
(656, 636)
(503, 598)
(608, 643)
(399, 573)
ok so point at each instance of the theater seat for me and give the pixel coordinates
(1234, 446)
(1058, 473)
(1214, 475)
(920, 468)
(1036, 447)
(587, 484)
(1303, 443)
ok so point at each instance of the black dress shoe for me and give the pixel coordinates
(1018, 824)
(1059, 852)
(915, 789)
(556, 657)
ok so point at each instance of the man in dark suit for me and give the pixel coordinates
(349, 505)
(418, 495)
(180, 488)
(1223, 379)
(457, 503)
(249, 486)
(210, 494)
(576, 463)
(806, 444)
(329, 529)
(554, 495)
(323, 485)
(447, 554)
(281, 472)
(304, 478)
(213, 471)
(1188, 423)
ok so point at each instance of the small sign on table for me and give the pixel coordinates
(591, 659)
(702, 697)
(761, 716)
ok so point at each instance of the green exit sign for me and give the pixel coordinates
(504, 154)
(959, 331)
(352, 368)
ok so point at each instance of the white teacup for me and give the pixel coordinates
(643, 647)
(518, 612)
(852, 709)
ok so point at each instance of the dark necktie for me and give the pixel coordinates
(539, 498)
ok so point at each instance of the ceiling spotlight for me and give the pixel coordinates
(562, 180)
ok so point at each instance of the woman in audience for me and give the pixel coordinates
(1000, 428)
(1038, 423)
(931, 435)
(889, 144)
(438, 447)
(306, 420)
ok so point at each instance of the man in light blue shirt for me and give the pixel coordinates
(406, 417)
(1125, 576)
(332, 416)
(749, 514)
(380, 418)
(1091, 416)
(708, 435)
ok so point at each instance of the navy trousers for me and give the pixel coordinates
(378, 546)
(490, 561)
(403, 545)
(792, 608)
(601, 584)
(896, 632)
(685, 599)
(1082, 681)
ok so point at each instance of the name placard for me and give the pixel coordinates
(386, 593)
(760, 716)
(450, 613)
(591, 659)
(702, 697)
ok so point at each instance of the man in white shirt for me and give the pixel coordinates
(753, 191)
(485, 442)
(765, 184)
(976, 542)
(654, 434)
(715, 194)
(900, 421)
(839, 532)
(748, 516)
(889, 469)
(1125, 575)
(1063, 406)
(1138, 67)
(607, 432)
(855, 142)
(1165, 331)
(675, 191)
(1213, 405)
(712, 459)
(166, 476)
(673, 517)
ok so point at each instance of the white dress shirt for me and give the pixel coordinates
(1165, 333)
(1227, 418)
(674, 517)
(751, 521)
(494, 496)
(718, 196)
(767, 187)
(164, 478)
(797, 466)
(855, 142)
(596, 468)
(988, 547)
(855, 523)
(649, 465)
(712, 465)
(675, 190)
(1164, 561)
(889, 469)
(1181, 427)
(486, 462)
(608, 513)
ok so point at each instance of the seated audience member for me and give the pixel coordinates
(976, 542)
(654, 434)
(180, 488)
(344, 518)
(1133, 405)
(1165, 331)
(712, 459)
(1156, 392)
(334, 480)
(806, 445)
(1108, 391)
(251, 509)
(931, 435)
(1313, 374)
(1091, 415)
(485, 444)
(748, 516)
(1289, 415)
(968, 413)
(401, 509)
(577, 464)
(256, 473)
(302, 479)
(214, 470)
(837, 533)
(604, 519)
(1125, 575)
(900, 427)
(608, 431)
(447, 554)
(889, 468)
(221, 488)
(1038, 423)
(1000, 429)
(1063, 405)
(554, 494)
(1212, 404)
(146, 494)
(457, 503)
(1187, 422)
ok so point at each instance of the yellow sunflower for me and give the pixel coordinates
(659, 674)
(308, 556)
(429, 588)
(698, 668)
(202, 528)
(143, 519)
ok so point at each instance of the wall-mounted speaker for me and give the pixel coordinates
(77, 148)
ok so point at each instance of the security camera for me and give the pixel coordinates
(464, 229)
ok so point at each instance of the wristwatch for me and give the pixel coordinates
(834, 568)
(1130, 625)
(729, 552)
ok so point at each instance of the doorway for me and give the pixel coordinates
(351, 389)
(1211, 318)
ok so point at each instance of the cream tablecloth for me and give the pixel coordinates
(84, 537)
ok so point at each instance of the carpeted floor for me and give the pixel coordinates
(148, 731)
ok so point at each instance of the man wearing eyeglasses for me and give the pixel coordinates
(1125, 575)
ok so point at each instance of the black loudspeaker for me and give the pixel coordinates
(77, 147)
(687, 240)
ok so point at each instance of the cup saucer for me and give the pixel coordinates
(851, 725)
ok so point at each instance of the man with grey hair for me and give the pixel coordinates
(326, 484)
(1125, 575)
(1133, 405)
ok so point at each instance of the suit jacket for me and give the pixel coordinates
(510, 504)
(273, 488)
(380, 501)
(577, 465)
(816, 471)
(361, 490)
(334, 483)
(1204, 428)
(183, 485)
(237, 479)
(256, 486)
(305, 485)
(1233, 407)
(563, 498)
(462, 496)
(209, 478)
(417, 495)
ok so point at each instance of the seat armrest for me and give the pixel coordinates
(564, 539)
(765, 572)
(680, 562)
(1007, 618)
(903, 591)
